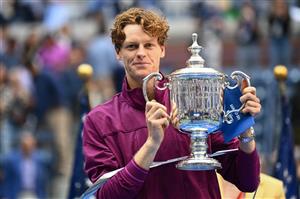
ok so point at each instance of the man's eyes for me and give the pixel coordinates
(131, 46)
(149, 45)
(136, 46)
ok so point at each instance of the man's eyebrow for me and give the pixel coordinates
(136, 42)
(150, 40)
(130, 42)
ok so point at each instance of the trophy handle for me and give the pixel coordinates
(145, 82)
(235, 75)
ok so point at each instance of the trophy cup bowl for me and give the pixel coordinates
(197, 94)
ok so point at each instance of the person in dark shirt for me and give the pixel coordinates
(279, 29)
(52, 115)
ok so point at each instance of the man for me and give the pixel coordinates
(128, 132)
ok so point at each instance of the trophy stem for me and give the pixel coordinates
(198, 160)
(198, 144)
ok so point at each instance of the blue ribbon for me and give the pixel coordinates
(241, 122)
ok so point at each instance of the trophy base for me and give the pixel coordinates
(199, 164)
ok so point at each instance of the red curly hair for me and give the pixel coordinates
(152, 24)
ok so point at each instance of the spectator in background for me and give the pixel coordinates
(279, 29)
(101, 55)
(53, 117)
(30, 46)
(53, 55)
(28, 10)
(63, 36)
(21, 83)
(6, 95)
(11, 54)
(247, 36)
(15, 105)
(57, 14)
(110, 8)
(47, 93)
(210, 25)
(3, 36)
(70, 80)
(26, 170)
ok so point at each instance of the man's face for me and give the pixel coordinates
(140, 54)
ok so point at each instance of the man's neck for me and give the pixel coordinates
(150, 87)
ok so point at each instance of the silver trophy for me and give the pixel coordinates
(197, 93)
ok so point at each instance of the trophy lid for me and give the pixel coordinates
(195, 60)
(195, 65)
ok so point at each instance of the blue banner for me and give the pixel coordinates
(285, 168)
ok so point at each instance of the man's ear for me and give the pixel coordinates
(163, 51)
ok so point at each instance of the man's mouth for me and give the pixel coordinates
(140, 63)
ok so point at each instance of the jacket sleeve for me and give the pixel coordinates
(99, 160)
(239, 168)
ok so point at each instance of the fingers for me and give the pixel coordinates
(249, 97)
(252, 107)
(175, 122)
(164, 122)
(174, 119)
(244, 84)
(252, 102)
(152, 106)
(249, 89)
(157, 114)
(156, 111)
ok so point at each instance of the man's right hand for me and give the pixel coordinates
(157, 120)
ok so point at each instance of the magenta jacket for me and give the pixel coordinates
(115, 131)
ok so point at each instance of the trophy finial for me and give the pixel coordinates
(194, 37)
(195, 60)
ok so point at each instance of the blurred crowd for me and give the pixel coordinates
(43, 43)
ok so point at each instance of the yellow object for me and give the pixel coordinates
(85, 70)
(280, 72)
(269, 187)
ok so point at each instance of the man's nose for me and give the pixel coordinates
(141, 52)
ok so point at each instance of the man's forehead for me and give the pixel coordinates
(135, 31)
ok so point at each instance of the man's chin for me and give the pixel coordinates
(141, 74)
(144, 74)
